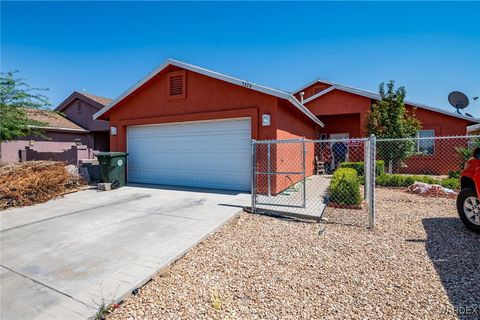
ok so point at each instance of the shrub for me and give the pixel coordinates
(394, 180)
(454, 174)
(399, 180)
(360, 167)
(451, 183)
(345, 187)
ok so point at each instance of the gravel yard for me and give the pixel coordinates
(418, 263)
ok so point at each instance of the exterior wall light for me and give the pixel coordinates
(265, 120)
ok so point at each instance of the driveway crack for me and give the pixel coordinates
(45, 285)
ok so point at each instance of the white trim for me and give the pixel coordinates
(473, 127)
(189, 121)
(376, 96)
(321, 93)
(312, 83)
(212, 74)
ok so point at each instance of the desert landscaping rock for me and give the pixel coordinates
(417, 264)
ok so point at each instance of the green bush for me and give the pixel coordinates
(360, 167)
(399, 180)
(345, 187)
(451, 183)
(454, 174)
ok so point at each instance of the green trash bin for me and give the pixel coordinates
(113, 166)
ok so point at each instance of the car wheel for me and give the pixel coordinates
(468, 207)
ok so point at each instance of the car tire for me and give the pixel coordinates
(465, 196)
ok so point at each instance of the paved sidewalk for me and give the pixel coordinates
(65, 258)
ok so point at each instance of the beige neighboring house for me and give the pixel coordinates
(473, 130)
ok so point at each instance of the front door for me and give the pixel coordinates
(339, 147)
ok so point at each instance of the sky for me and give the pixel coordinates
(431, 48)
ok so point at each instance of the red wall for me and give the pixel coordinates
(292, 125)
(341, 124)
(337, 103)
(346, 112)
(445, 158)
(206, 99)
(310, 90)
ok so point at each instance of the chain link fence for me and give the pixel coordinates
(304, 177)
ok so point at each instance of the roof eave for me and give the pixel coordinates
(47, 128)
(376, 96)
(304, 109)
(312, 83)
(473, 127)
(213, 74)
(78, 95)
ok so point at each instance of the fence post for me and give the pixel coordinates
(254, 175)
(304, 154)
(366, 169)
(372, 174)
(269, 169)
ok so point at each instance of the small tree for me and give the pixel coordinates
(15, 97)
(388, 118)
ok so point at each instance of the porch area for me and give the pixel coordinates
(292, 202)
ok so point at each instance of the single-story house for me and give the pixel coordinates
(60, 141)
(69, 129)
(344, 109)
(189, 126)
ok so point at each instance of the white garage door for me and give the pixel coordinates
(209, 154)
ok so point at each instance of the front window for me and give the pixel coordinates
(426, 146)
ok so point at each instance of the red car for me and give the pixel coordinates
(468, 203)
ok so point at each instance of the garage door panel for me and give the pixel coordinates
(212, 154)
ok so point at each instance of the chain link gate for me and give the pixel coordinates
(294, 177)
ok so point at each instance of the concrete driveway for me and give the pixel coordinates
(64, 258)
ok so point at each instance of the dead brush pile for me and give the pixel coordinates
(27, 183)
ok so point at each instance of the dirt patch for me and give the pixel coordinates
(417, 264)
(27, 183)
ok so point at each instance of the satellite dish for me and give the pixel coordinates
(458, 100)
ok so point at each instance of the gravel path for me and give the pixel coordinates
(417, 264)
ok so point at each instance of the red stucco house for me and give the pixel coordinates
(189, 126)
(344, 110)
(186, 125)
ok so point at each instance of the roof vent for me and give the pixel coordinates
(176, 84)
